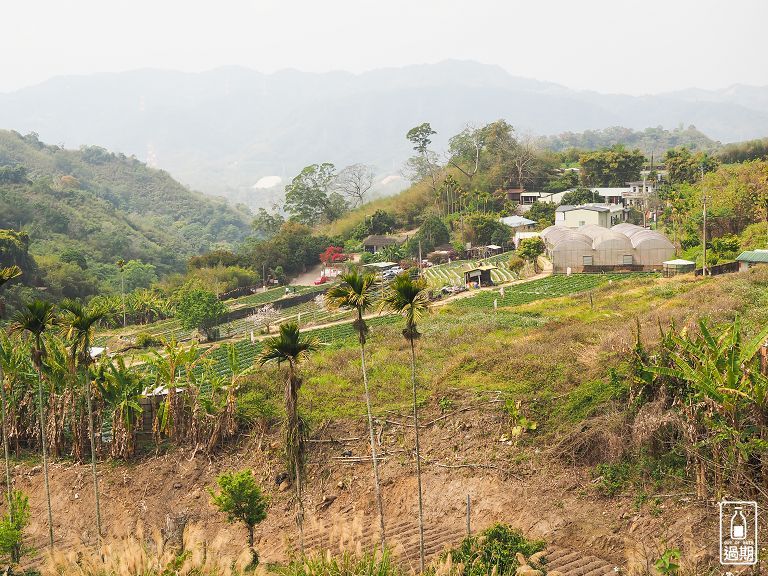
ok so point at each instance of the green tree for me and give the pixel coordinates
(12, 527)
(580, 196)
(265, 224)
(432, 232)
(530, 249)
(290, 347)
(79, 324)
(306, 197)
(482, 229)
(200, 309)
(425, 164)
(611, 167)
(36, 318)
(542, 212)
(466, 150)
(74, 256)
(409, 298)
(137, 274)
(356, 292)
(686, 167)
(241, 499)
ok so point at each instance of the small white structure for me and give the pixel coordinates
(678, 266)
(605, 215)
(523, 235)
(517, 223)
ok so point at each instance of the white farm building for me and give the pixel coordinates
(592, 248)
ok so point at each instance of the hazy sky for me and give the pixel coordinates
(628, 46)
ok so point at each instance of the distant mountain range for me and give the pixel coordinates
(223, 130)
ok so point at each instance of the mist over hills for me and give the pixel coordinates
(222, 130)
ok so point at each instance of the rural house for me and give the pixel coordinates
(604, 215)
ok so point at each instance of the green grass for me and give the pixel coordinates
(543, 288)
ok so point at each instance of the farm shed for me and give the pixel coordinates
(479, 276)
(376, 242)
(592, 248)
(518, 223)
(751, 258)
(678, 266)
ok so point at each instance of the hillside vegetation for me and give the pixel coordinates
(85, 209)
(232, 126)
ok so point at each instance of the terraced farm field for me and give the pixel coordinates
(453, 274)
(248, 351)
(171, 328)
(549, 287)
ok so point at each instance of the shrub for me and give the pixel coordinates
(146, 340)
(12, 532)
(612, 478)
(515, 263)
(496, 548)
(240, 498)
(344, 565)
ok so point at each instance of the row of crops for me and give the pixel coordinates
(549, 287)
(171, 327)
(452, 274)
(248, 352)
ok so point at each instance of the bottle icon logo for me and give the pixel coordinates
(738, 524)
(738, 533)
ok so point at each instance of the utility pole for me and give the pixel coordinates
(121, 265)
(264, 275)
(704, 238)
(420, 258)
(704, 228)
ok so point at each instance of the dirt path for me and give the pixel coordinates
(308, 278)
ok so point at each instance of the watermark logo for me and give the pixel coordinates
(738, 533)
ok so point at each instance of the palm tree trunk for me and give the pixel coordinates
(86, 389)
(376, 480)
(294, 447)
(41, 414)
(9, 486)
(418, 455)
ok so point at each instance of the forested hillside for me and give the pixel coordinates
(232, 126)
(650, 141)
(84, 210)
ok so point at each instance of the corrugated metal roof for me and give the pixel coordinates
(753, 256)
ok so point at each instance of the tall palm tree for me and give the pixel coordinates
(289, 347)
(408, 297)
(6, 274)
(36, 318)
(356, 291)
(79, 324)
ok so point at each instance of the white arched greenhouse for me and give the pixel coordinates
(593, 248)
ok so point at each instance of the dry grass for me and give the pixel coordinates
(148, 555)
